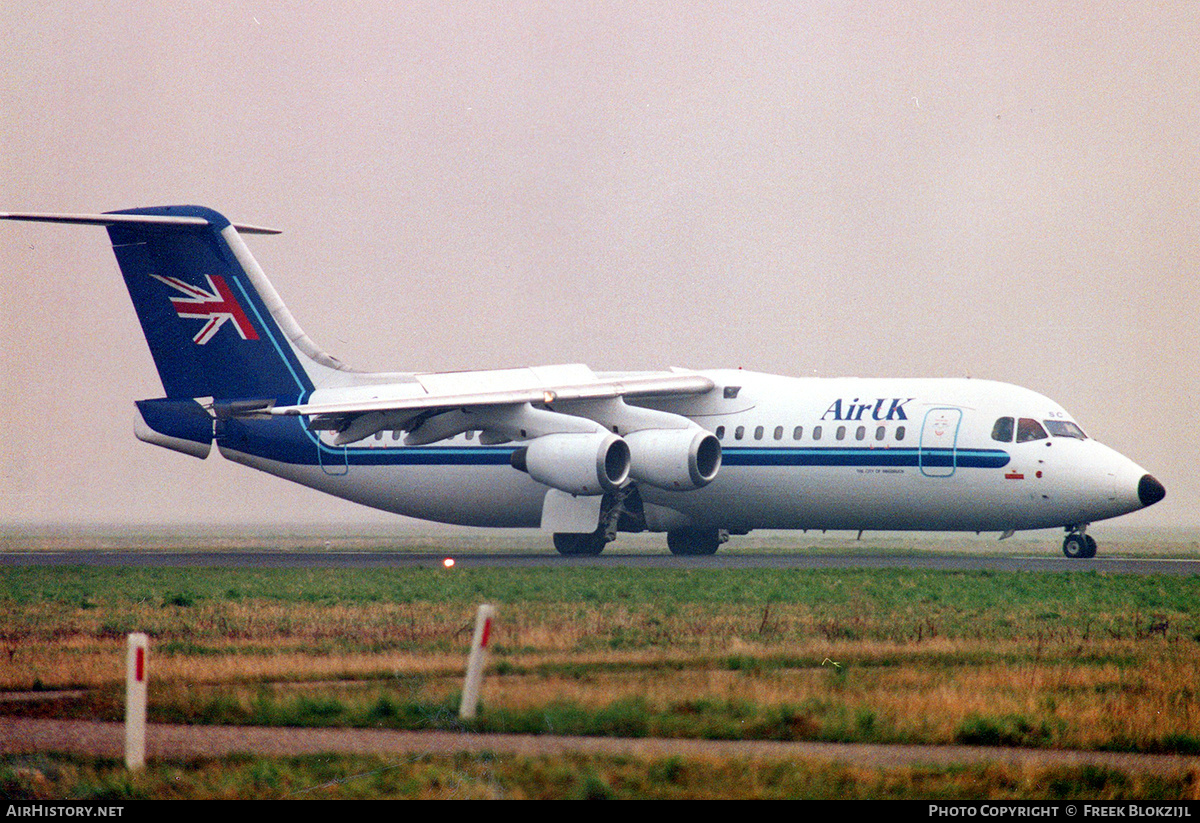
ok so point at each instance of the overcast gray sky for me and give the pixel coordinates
(1001, 190)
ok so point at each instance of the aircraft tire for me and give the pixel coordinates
(579, 545)
(1091, 545)
(1075, 546)
(693, 543)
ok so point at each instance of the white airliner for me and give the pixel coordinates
(584, 455)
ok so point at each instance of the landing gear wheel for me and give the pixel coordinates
(1079, 546)
(694, 543)
(580, 545)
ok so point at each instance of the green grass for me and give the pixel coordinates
(849, 595)
(571, 777)
(1072, 660)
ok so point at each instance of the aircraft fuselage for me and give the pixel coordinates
(797, 453)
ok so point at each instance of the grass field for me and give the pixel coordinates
(1072, 660)
(41, 777)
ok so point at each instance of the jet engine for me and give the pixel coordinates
(578, 463)
(674, 459)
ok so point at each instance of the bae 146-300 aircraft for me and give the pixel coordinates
(699, 455)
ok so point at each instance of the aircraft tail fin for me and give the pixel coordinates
(215, 325)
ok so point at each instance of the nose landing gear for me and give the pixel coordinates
(1078, 544)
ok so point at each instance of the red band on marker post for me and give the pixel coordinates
(135, 701)
(475, 663)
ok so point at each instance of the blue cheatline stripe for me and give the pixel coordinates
(734, 456)
(963, 458)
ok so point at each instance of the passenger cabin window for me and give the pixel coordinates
(1065, 428)
(860, 433)
(779, 432)
(739, 432)
(1003, 430)
(841, 432)
(900, 433)
(720, 432)
(816, 432)
(880, 432)
(797, 432)
(1029, 429)
(758, 432)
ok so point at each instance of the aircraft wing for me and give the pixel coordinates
(486, 400)
(452, 390)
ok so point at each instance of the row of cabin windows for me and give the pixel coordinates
(1025, 429)
(739, 433)
(859, 433)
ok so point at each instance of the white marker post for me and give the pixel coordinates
(483, 633)
(135, 701)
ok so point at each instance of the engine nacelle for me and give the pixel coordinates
(577, 463)
(674, 459)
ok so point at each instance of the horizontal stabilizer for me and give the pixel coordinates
(127, 219)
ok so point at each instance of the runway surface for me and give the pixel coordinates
(266, 559)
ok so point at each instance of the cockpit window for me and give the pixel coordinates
(1029, 429)
(1003, 430)
(1065, 428)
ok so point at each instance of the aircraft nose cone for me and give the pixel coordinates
(1150, 491)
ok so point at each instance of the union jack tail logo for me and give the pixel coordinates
(216, 307)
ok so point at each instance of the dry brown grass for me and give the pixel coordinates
(1120, 691)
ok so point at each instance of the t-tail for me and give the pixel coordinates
(222, 340)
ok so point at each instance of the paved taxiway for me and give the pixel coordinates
(385, 559)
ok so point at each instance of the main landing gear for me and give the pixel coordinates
(616, 509)
(1078, 544)
(623, 510)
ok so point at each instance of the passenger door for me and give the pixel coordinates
(938, 453)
